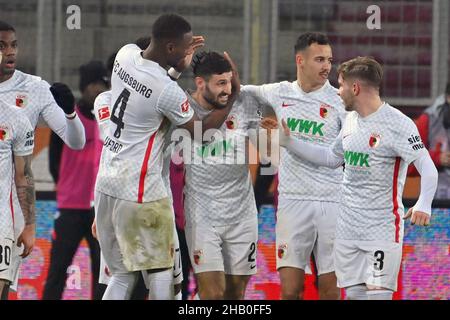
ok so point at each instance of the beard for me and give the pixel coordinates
(6, 71)
(348, 107)
(209, 97)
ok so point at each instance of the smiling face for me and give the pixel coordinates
(314, 64)
(9, 50)
(216, 89)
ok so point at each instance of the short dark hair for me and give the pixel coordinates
(308, 38)
(170, 27)
(366, 69)
(4, 26)
(205, 64)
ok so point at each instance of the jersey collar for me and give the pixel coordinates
(10, 81)
(297, 88)
(147, 63)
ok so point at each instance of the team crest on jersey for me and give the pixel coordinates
(198, 256)
(324, 110)
(185, 106)
(374, 140)
(103, 113)
(282, 250)
(21, 100)
(231, 122)
(4, 133)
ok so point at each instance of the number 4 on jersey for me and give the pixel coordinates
(122, 100)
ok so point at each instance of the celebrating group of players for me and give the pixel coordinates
(342, 168)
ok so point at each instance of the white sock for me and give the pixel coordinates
(120, 286)
(196, 297)
(380, 294)
(358, 292)
(178, 296)
(161, 285)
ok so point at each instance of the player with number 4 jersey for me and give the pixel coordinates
(134, 217)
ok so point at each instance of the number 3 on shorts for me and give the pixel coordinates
(379, 256)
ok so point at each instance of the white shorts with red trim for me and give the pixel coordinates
(135, 236)
(231, 249)
(374, 263)
(105, 274)
(304, 228)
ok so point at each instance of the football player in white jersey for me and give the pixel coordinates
(16, 147)
(220, 210)
(37, 99)
(102, 112)
(138, 235)
(308, 194)
(377, 143)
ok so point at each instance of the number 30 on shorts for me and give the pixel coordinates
(5, 254)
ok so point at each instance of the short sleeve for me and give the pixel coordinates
(23, 141)
(174, 104)
(102, 112)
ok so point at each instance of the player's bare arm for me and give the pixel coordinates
(27, 198)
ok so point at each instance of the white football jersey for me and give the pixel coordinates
(315, 117)
(377, 150)
(102, 112)
(32, 94)
(218, 189)
(16, 138)
(144, 102)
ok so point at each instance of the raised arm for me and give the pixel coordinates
(60, 116)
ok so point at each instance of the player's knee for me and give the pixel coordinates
(292, 292)
(234, 293)
(212, 293)
(4, 289)
(328, 291)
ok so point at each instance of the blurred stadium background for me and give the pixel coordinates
(413, 45)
